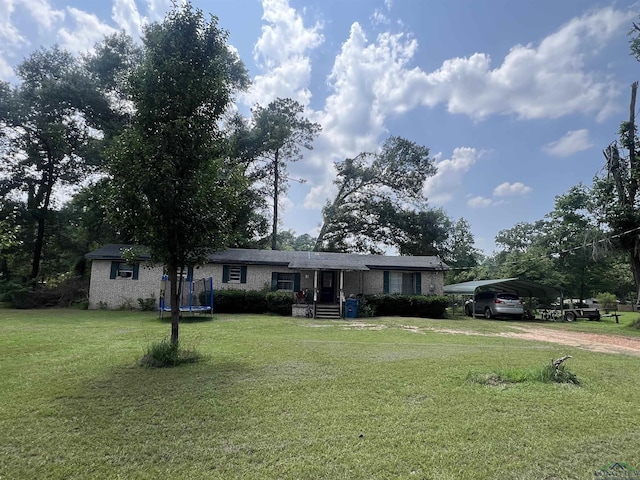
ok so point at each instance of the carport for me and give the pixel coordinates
(524, 288)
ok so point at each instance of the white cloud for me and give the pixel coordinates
(125, 13)
(378, 17)
(544, 81)
(479, 202)
(88, 31)
(40, 10)
(281, 51)
(507, 189)
(8, 32)
(442, 187)
(572, 142)
(6, 71)
(156, 9)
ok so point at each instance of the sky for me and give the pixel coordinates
(514, 99)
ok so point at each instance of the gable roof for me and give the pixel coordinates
(297, 260)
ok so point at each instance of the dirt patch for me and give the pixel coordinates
(587, 341)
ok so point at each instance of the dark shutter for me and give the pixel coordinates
(296, 282)
(114, 269)
(274, 281)
(225, 274)
(136, 270)
(418, 283)
(189, 274)
(385, 282)
(243, 274)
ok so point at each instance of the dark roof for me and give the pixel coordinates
(522, 287)
(298, 260)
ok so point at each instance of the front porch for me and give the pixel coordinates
(324, 311)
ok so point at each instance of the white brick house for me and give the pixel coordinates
(328, 277)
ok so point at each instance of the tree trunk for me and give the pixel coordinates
(276, 179)
(635, 267)
(174, 295)
(37, 250)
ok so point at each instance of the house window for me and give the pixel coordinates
(234, 274)
(124, 270)
(285, 281)
(402, 283)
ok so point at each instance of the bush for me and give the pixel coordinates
(255, 302)
(280, 303)
(71, 292)
(236, 301)
(555, 371)
(8, 288)
(147, 304)
(166, 354)
(607, 300)
(227, 301)
(406, 305)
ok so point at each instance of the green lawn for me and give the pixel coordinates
(294, 398)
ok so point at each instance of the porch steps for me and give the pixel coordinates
(328, 312)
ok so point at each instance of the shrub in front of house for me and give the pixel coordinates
(405, 306)
(279, 303)
(256, 302)
(430, 307)
(238, 301)
(226, 301)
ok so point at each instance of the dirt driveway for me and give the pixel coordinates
(587, 341)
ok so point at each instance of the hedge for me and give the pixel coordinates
(404, 306)
(250, 301)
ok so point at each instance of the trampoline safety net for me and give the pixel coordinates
(196, 296)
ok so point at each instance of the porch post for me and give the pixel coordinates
(315, 286)
(341, 291)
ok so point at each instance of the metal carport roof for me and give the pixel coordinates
(523, 288)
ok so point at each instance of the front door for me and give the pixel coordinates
(327, 287)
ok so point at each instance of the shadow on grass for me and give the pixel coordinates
(131, 399)
(189, 319)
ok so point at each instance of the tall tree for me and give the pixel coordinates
(48, 139)
(377, 194)
(282, 132)
(176, 192)
(460, 253)
(617, 193)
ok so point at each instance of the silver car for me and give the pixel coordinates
(495, 304)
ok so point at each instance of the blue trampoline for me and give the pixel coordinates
(196, 296)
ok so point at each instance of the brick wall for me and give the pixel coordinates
(122, 292)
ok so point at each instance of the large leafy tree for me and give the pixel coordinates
(280, 132)
(559, 249)
(379, 202)
(176, 192)
(618, 194)
(48, 137)
(460, 253)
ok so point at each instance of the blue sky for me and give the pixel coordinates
(515, 99)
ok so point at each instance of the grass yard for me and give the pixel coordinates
(287, 398)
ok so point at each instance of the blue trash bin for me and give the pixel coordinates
(351, 308)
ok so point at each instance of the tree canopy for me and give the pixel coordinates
(174, 189)
(379, 201)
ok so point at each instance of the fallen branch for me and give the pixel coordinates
(558, 362)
